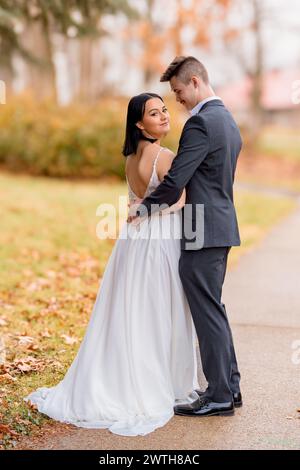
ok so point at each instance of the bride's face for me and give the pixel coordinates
(156, 119)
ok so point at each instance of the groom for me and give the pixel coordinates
(205, 165)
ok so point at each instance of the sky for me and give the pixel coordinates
(284, 42)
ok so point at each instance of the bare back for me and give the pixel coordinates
(139, 166)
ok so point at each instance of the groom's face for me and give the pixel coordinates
(186, 94)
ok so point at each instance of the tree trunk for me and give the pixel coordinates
(85, 68)
(6, 79)
(41, 76)
(91, 69)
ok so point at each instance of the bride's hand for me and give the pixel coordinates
(133, 205)
(134, 201)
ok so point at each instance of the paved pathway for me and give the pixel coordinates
(262, 296)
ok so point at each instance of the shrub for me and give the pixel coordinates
(74, 141)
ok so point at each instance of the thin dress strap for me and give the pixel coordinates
(156, 158)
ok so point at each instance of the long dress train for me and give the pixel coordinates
(138, 354)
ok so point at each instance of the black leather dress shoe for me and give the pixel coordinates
(189, 406)
(206, 407)
(237, 398)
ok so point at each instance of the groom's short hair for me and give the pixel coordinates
(183, 68)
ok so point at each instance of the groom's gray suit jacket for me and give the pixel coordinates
(205, 165)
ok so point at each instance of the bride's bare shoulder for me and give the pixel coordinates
(164, 162)
(150, 150)
(166, 151)
(154, 149)
(148, 155)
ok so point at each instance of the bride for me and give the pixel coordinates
(138, 356)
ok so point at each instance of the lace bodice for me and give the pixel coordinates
(153, 182)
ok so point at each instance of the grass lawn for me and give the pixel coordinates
(51, 263)
(283, 142)
(275, 161)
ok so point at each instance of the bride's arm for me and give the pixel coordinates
(162, 167)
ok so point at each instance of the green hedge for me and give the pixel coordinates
(73, 141)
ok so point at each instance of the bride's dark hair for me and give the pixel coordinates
(135, 113)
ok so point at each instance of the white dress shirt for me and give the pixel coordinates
(198, 106)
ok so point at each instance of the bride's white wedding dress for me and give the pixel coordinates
(138, 354)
